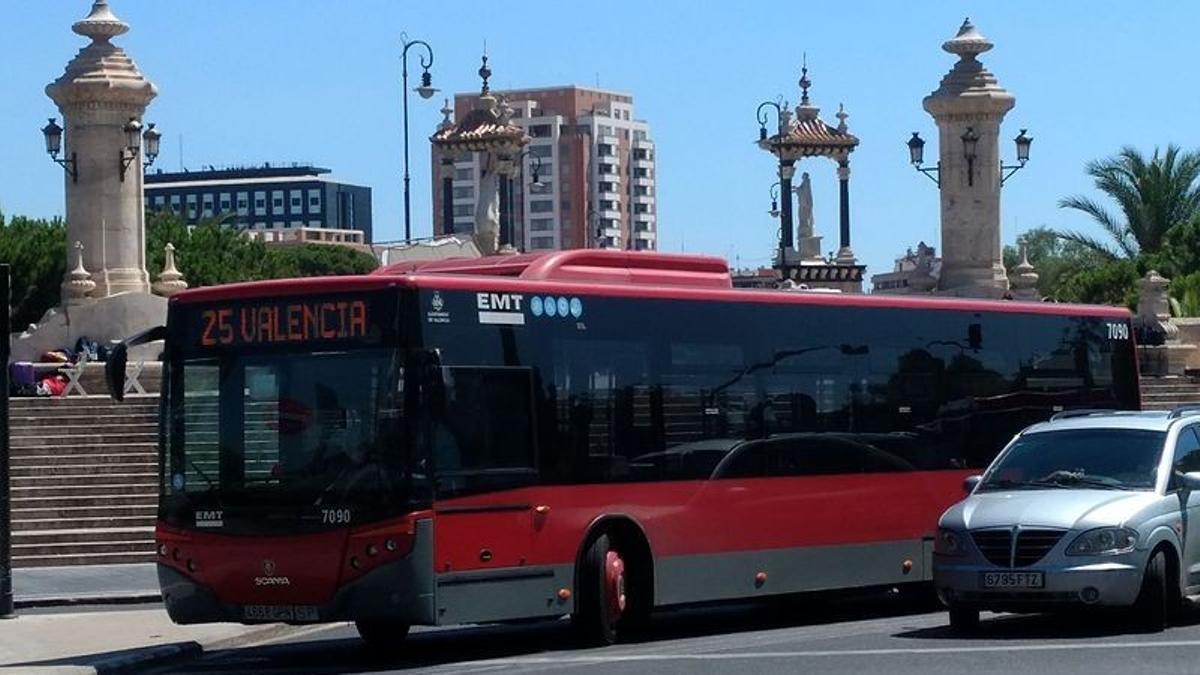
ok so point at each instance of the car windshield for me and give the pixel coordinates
(1115, 459)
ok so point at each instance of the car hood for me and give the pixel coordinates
(1054, 508)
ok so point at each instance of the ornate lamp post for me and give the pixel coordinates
(777, 146)
(426, 91)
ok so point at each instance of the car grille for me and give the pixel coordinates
(1032, 546)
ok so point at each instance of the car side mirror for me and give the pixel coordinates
(970, 482)
(1190, 480)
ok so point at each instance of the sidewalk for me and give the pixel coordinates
(113, 641)
(106, 639)
(84, 584)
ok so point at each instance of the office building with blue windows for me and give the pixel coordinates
(269, 198)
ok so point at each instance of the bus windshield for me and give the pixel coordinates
(285, 441)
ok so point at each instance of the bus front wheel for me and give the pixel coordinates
(602, 593)
(382, 636)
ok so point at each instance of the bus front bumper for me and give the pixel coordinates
(402, 591)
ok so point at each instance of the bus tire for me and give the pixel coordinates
(601, 598)
(382, 636)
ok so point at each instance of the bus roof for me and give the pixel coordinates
(612, 273)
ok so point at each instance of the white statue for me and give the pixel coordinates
(804, 208)
(487, 209)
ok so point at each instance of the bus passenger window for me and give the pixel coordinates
(483, 439)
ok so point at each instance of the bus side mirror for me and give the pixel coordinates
(114, 371)
(970, 482)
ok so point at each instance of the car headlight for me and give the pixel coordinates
(949, 542)
(1104, 541)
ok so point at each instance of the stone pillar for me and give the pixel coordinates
(787, 169)
(97, 95)
(1154, 304)
(506, 167)
(447, 193)
(170, 281)
(970, 97)
(1024, 279)
(845, 254)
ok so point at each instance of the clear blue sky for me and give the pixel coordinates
(245, 81)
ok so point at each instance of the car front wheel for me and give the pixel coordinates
(963, 619)
(1153, 606)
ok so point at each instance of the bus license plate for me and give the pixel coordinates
(279, 612)
(1013, 580)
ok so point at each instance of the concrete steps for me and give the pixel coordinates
(84, 480)
(1165, 393)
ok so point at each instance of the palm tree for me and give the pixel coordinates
(1153, 197)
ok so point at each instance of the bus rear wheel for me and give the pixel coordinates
(382, 636)
(602, 598)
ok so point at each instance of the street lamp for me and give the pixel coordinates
(1023, 142)
(425, 91)
(133, 144)
(54, 135)
(774, 212)
(150, 143)
(776, 145)
(970, 141)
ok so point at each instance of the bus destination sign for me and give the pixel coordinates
(272, 322)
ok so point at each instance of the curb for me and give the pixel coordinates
(145, 658)
(72, 600)
(163, 655)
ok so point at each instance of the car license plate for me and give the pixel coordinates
(1012, 580)
(279, 612)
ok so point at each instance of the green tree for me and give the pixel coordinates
(1154, 195)
(213, 253)
(1054, 259)
(311, 260)
(37, 252)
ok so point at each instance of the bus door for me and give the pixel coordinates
(483, 453)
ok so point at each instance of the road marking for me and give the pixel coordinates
(633, 658)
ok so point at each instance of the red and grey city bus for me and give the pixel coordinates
(586, 433)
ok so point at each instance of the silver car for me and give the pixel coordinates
(1092, 508)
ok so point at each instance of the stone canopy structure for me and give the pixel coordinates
(804, 136)
(487, 129)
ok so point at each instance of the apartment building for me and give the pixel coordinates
(596, 183)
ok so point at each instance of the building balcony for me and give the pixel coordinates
(612, 232)
(644, 199)
(643, 163)
(648, 235)
(615, 214)
(643, 181)
(642, 145)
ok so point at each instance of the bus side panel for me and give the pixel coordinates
(709, 539)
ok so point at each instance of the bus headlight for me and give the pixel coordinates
(1104, 541)
(949, 542)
